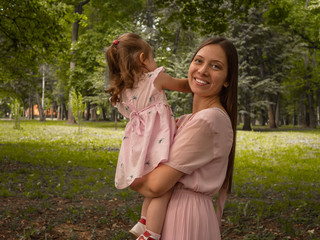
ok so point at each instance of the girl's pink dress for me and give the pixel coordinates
(149, 133)
(200, 150)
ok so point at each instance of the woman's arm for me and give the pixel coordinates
(165, 81)
(157, 182)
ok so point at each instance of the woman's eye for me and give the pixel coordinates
(197, 61)
(215, 66)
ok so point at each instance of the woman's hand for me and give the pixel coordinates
(157, 182)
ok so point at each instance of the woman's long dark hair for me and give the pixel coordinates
(228, 95)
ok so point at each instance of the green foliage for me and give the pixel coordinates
(197, 15)
(181, 103)
(16, 111)
(31, 32)
(301, 18)
(263, 53)
(78, 107)
(270, 36)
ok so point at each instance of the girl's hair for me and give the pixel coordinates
(228, 95)
(125, 67)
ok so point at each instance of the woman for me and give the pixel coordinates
(201, 158)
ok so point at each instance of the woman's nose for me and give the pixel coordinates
(203, 69)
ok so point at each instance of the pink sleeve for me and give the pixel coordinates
(204, 139)
(153, 75)
(122, 109)
(192, 147)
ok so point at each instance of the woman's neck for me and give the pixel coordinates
(201, 103)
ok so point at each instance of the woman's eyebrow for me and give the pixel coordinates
(198, 55)
(213, 60)
(218, 61)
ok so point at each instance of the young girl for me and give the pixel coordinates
(136, 89)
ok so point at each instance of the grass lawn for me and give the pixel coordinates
(58, 184)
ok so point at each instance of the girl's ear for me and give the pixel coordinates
(142, 57)
(226, 84)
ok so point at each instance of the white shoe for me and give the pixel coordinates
(147, 236)
(138, 229)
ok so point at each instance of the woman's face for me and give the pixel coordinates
(208, 71)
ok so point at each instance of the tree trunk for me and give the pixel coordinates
(93, 113)
(315, 67)
(318, 107)
(43, 84)
(239, 118)
(42, 115)
(32, 112)
(114, 115)
(254, 119)
(30, 108)
(311, 112)
(59, 112)
(277, 113)
(247, 117)
(246, 122)
(308, 78)
(271, 114)
(150, 22)
(51, 111)
(75, 33)
(302, 120)
(70, 118)
(87, 116)
(262, 117)
(104, 114)
(64, 112)
(294, 115)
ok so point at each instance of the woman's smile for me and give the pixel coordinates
(200, 82)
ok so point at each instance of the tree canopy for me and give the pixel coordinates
(278, 44)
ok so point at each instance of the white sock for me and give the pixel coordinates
(156, 236)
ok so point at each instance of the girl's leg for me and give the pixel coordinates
(145, 205)
(140, 226)
(157, 212)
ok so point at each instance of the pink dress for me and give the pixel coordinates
(200, 150)
(149, 133)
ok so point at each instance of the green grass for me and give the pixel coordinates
(277, 179)
(275, 195)
(53, 152)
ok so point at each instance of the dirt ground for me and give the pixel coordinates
(23, 218)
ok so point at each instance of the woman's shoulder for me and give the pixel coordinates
(213, 117)
(210, 119)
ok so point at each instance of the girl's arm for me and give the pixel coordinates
(164, 80)
(157, 182)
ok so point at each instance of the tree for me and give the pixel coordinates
(16, 111)
(262, 57)
(78, 107)
(302, 20)
(31, 33)
(75, 31)
(101, 25)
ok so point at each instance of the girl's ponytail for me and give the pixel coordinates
(125, 67)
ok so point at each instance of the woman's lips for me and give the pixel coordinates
(200, 82)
